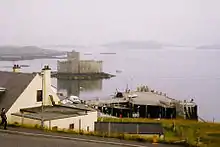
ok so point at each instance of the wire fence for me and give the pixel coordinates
(129, 128)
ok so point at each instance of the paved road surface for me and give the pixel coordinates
(21, 137)
(12, 140)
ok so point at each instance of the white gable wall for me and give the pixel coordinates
(28, 98)
(86, 121)
(80, 122)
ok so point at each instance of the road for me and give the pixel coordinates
(12, 140)
(21, 137)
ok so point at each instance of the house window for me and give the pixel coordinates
(71, 127)
(39, 95)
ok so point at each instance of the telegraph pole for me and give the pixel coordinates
(42, 104)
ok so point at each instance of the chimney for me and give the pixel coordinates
(165, 94)
(16, 68)
(46, 84)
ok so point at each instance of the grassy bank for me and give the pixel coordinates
(208, 134)
(184, 133)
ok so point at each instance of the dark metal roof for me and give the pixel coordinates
(45, 116)
(51, 112)
(15, 84)
(52, 109)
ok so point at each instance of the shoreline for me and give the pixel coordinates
(22, 58)
(81, 76)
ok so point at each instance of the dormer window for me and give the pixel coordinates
(39, 95)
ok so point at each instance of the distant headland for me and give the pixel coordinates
(209, 47)
(15, 53)
(140, 45)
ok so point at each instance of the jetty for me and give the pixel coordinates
(145, 103)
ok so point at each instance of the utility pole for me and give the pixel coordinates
(131, 83)
(138, 111)
(78, 67)
(42, 104)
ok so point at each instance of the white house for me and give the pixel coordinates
(30, 99)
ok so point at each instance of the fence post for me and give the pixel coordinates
(198, 141)
(137, 128)
(79, 125)
(109, 129)
(22, 119)
(50, 125)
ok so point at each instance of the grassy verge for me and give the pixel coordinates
(185, 132)
(207, 134)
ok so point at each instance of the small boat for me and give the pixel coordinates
(25, 65)
(108, 53)
(118, 71)
(87, 54)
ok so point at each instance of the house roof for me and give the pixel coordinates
(142, 98)
(14, 84)
(51, 112)
(78, 106)
(45, 116)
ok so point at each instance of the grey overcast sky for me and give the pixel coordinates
(84, 22)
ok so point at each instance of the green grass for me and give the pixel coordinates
(186, 132)
(208, 133)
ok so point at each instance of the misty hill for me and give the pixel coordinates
(209, 47)
(65, 46)
(28, 51)
(135, 45)
(15, 53)
(174, 45)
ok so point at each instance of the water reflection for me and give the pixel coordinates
(74, 87)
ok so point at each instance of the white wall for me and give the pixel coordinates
(73, 56)
(63, 66)
(70, 66)
(90, 66)
(86, 121)
(28, 98)
(27, 121)
(74, 65)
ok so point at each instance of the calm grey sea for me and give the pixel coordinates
(182, 73)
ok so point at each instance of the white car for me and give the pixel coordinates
(74, 99)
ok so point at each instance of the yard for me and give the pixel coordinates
(208, 134)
